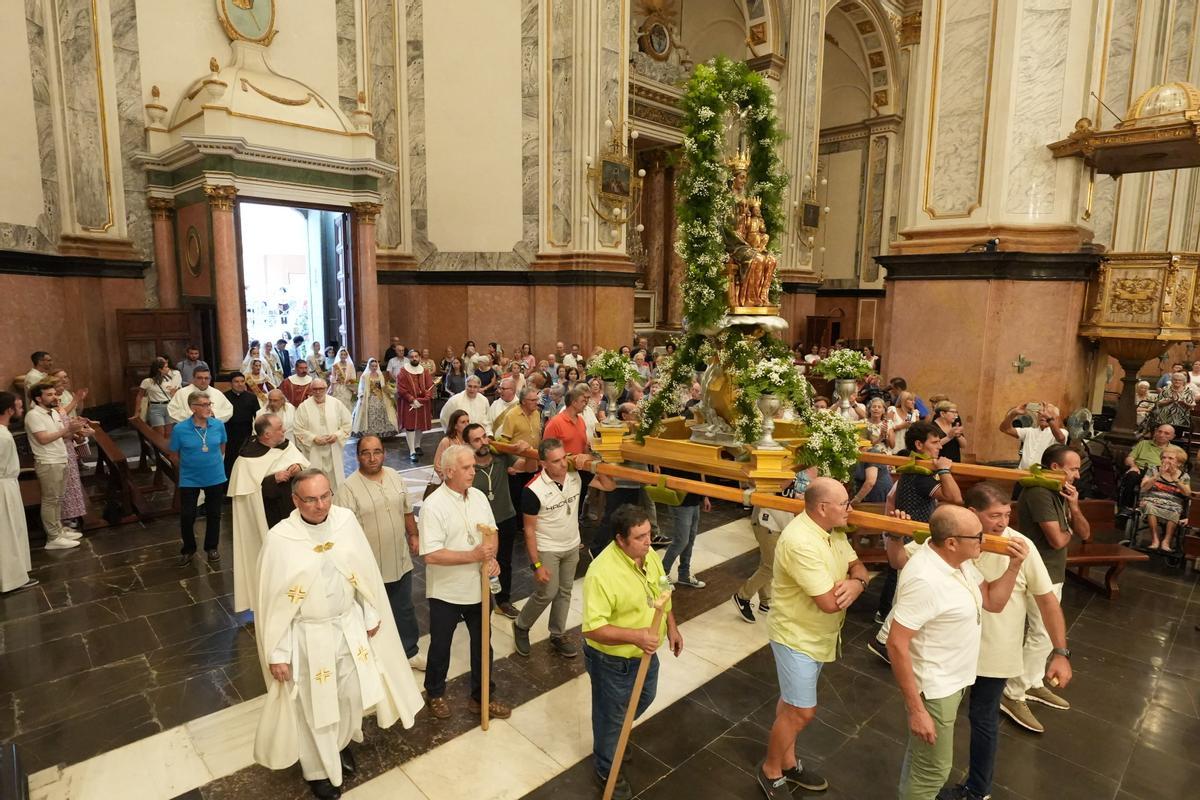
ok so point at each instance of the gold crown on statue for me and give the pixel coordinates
(740, 162)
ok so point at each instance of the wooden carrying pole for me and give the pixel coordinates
(485, 631)
(862, 519)
(631, 711)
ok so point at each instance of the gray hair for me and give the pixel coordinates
(195, 397)
(317, 382)
(303, 475)
(577, 391)
(451, 454)
(528, 390)
(475, 380)
(508, 381)
(263, 423)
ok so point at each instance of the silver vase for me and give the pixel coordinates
(845, 389)
(768, 406)
(611, 392)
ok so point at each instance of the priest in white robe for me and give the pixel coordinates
(179, 410)
(327, 637)
(277, 404)
(470, 400)
(260, 488)
(14, 536)
(321, 429)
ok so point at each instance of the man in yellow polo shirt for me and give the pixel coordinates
(621, 585)
(817, 576)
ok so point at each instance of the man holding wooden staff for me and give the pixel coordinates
(618, 595)
(453, 547)
(817, 576)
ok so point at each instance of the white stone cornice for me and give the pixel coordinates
(195, 148)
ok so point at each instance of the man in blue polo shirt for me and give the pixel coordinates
(198, 449)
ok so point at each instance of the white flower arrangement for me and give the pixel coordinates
(843, 364)
(613, 367)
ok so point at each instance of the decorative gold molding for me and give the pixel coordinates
(221, 198)
(232, 32)
(367, 213)
(286, 101)
(100, 107)
(910, 29)
(161, 208)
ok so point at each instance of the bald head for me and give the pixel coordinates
(827, 504)
(824, 490)
(948, 522)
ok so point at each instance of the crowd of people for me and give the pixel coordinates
(325, 560)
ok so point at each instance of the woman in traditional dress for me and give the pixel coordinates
(316, 362)
(156, 391)
(271, 364)
(258, 381)
(252, 353)
(374, 413)
(343, 380)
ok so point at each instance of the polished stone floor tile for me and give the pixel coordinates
(35, 631)
(1178, 694)
(68, 740)
(1155, 775)
(82, 693)
(30, 666)
(673, 737)
(190, 622)
(188, 699)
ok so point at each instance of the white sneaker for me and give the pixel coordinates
(61, 544)
(417, 662)
(71, 533)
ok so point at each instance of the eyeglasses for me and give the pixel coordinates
(312, 501)
(978, 538)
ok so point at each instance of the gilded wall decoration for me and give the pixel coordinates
(1134, 296)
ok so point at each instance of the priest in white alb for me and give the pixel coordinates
(321, 429)
(179, 410)
(14, 536)
(327, 637)
(260, 486)
(470, 400)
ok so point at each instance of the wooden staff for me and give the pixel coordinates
(862, 519)
(485, 630)
(638, 682)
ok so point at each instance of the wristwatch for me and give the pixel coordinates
(535, 566)
(864, 583)
(1065, 652)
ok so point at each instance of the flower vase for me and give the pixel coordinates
(768, 406)
(611, 392)
(845, 389)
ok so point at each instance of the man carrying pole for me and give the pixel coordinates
(619, 590)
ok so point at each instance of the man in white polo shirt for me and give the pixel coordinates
(934, 640)
(48, 439)
(549, 508)
(454, 547)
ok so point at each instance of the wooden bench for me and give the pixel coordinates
(154, 450)
(1083, 556)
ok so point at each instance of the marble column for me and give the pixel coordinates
(655, 233)
(674, 264)
(366, 282)
(162, 212)
(231, 321)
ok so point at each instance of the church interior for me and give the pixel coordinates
(766, 239)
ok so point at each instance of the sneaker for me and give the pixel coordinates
(1046, 697)
(878, 618)
(960, 792)
(71, 533)
(508, 610)
(437, 707)
(774, 789)
(621, 787)
(520, 640)
(496, 709)
(763, 606)
(691, 582)
(660, 541)
(564, 646)
(417, 662)
(61, 543)
(743, 607)
(879, 648)
(1018, 711)
(805, 778)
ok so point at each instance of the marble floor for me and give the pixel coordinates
(122, 675)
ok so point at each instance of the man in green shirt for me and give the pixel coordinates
(618, 592)
(817, 576)
(1148, 452)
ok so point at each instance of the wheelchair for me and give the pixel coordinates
(1137, 525)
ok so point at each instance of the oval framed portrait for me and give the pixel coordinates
(656, 40)
(191, 252)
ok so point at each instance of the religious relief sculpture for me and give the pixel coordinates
(750, 267)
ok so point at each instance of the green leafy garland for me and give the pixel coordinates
(754, 364)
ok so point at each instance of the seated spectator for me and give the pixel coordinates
(1165, 492)
(1165, 378)
(1174, 404)
(1144, 400)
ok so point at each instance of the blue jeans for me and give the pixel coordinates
(399, 594)
(984, 712)
(612, 684)
(687, 525)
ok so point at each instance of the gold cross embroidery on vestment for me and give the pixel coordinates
(322, 676)
(363, 654)
(322, 548)
(296, 594)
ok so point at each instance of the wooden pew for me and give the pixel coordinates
(1084, 556)
(123, 502)
(154, 450)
